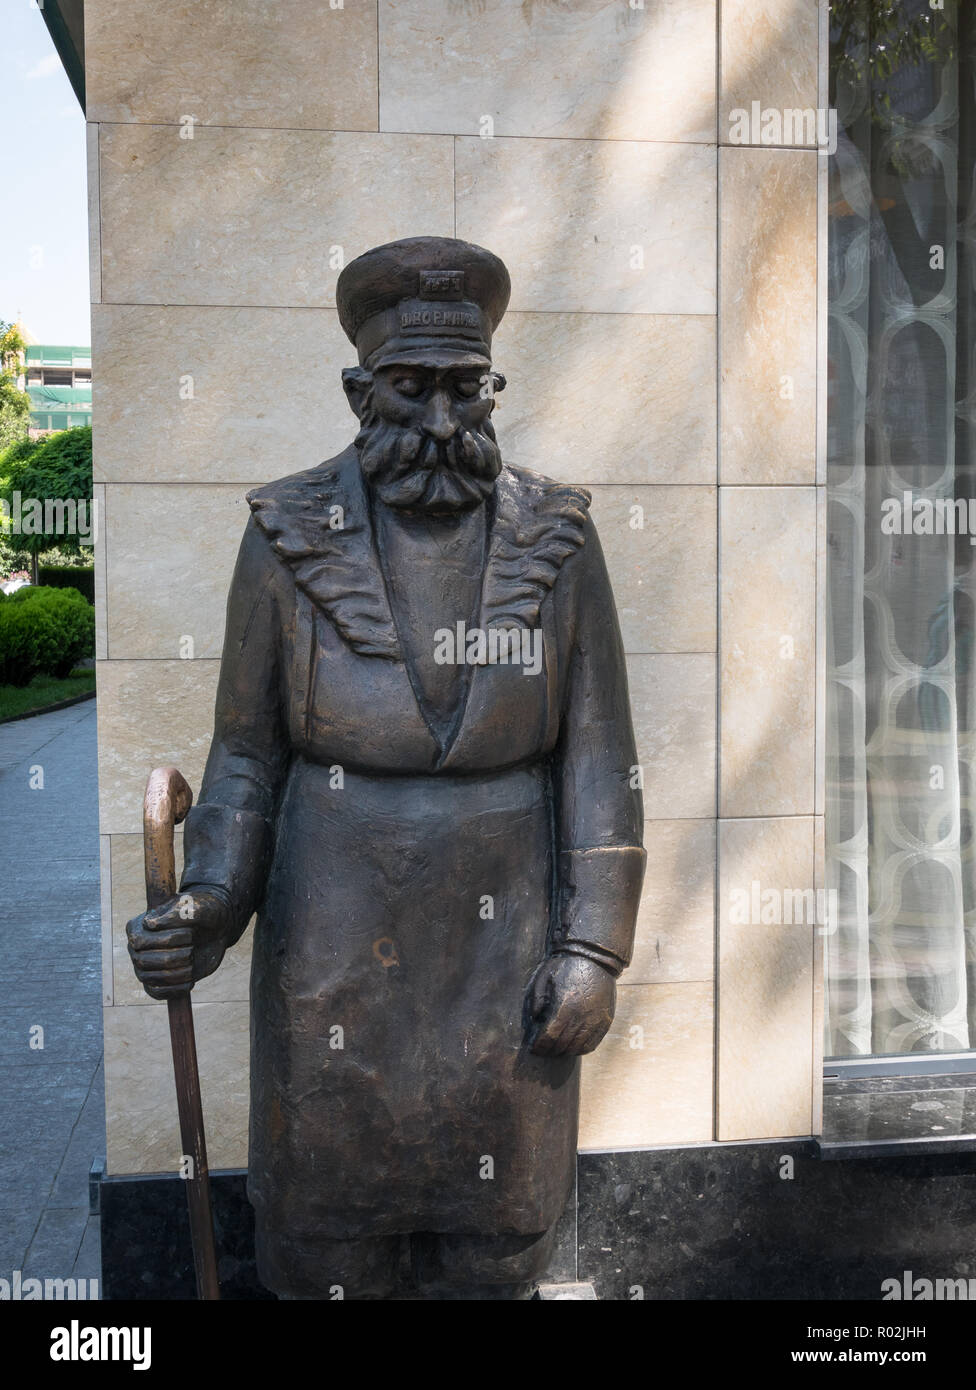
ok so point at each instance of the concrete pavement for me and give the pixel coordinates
(51, 1095)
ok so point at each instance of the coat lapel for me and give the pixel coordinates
(319, 523)
(537, 524)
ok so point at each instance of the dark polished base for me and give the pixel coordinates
(761, 1221)
(770, 1221)
(146, 1250)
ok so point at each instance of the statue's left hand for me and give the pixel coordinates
(569, 1006)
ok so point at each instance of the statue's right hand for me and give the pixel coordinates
(182, 941)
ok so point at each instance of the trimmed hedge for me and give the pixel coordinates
(43, 631)
(78, 577)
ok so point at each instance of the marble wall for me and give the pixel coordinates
(661, 348)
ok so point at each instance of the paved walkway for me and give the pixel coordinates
(52, 1098)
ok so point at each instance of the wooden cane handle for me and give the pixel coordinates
(168, 798)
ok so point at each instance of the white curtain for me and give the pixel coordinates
(901, 712)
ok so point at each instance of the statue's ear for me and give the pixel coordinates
(356, 382)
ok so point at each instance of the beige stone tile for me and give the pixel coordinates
(603, 226)
(765, 981)
(672, 698)
(768, 316)
(571, 69)
(105, 904)
(250, 63)
(187, 375)
(229, 983)
(561, 378)
(98, 558)
(662, 571)
(660, 547)
(94, 224)
(172, 607)
(608, 398)
(142, 1126)
(767, 545)
(128, 897)
(769, 54)
(676, 922)
(650, 1080)
(259, 217)
(824, 386)
(150, 714)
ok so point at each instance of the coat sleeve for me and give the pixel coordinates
(599, 810)
(229, 834)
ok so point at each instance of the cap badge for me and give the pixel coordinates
(442, 284)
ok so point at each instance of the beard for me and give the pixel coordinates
(409, 469)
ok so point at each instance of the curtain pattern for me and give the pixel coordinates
(901, 713)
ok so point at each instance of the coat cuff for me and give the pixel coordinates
(599, 895)
(229, 849)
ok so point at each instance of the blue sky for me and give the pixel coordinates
(43, 178)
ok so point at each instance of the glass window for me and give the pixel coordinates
(901, 459)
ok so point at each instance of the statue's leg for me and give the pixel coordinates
(480, 1267)
(295, 1266)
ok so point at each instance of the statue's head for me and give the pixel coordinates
(421, 313)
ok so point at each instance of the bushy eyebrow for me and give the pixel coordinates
(454, 373)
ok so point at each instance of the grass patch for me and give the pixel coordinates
(43, 691)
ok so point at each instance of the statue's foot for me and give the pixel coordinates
(505, 1267)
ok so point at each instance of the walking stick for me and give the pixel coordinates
(168, 798)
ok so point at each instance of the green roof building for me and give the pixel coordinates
(59, 383)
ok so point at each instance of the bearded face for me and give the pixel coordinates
(426, 441)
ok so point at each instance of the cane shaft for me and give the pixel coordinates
(194, 1143)
(167, 801)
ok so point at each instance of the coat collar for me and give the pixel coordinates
(319, 524)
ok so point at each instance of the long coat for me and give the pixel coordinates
(407, 885)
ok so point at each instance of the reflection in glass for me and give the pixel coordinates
(901, 737)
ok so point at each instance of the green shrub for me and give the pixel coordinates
(43, 631)
(80, 577)
(18, 647)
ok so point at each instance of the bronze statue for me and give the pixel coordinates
(423, 780)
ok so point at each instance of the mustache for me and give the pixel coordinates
(401, 462)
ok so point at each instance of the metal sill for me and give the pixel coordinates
(893, 1148)
(907, 1064)
(897, 1115)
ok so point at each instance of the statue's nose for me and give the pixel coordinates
(438, 420)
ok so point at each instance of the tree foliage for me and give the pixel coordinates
(56, 468)
(14, 404)
(873, 41)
